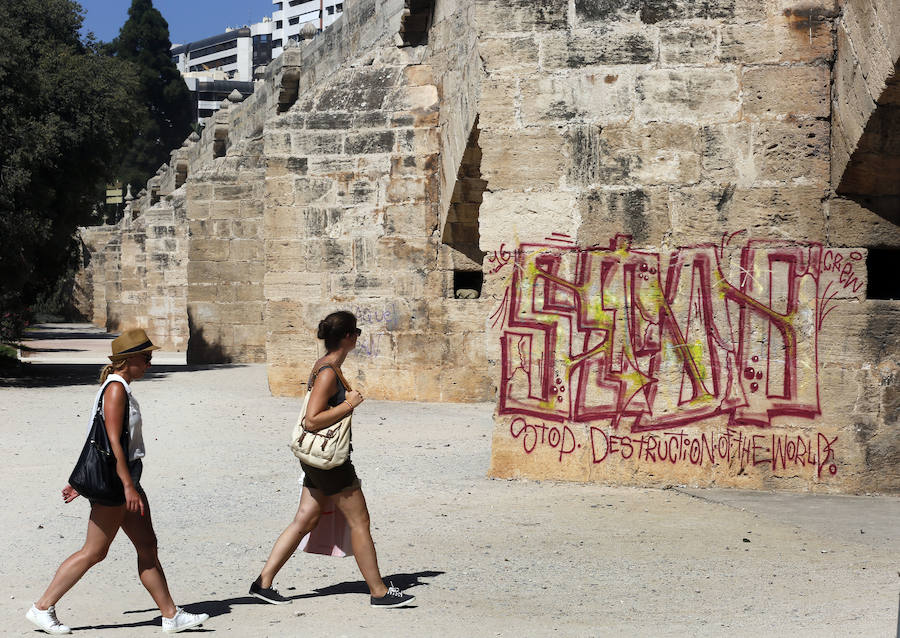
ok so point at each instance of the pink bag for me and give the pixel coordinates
(331, 536)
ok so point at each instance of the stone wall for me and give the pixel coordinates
(676, 300)
(620, 219)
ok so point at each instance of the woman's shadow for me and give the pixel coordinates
(222, 607)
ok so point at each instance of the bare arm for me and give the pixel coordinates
(319, 415)
(114, 401)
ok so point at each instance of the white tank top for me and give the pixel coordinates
(136, 444)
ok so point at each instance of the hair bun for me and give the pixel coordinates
(322, 332)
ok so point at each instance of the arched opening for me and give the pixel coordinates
(461, 235)
(416, 22)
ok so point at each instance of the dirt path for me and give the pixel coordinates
(483, 557)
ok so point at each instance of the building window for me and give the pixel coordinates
(214, 64)
(279, 6)
(294, 20)
(279, 24)
(216, 48)
(339, 6)
(330, 11)
(276, 44)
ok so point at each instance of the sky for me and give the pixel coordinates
(189, 20)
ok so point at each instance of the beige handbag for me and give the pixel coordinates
(327, 448)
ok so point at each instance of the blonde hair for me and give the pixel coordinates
(109, 368)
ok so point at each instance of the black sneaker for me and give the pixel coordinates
(268, 594)
(393, 598)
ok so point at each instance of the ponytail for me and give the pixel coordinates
(109, 368)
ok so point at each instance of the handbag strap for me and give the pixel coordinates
(337, 371)
(126, 426)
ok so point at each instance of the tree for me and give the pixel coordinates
(167, 112)
(63, 108)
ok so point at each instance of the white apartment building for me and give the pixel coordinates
(289, 16)
(237, 52)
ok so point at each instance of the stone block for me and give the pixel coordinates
(509, 54)
(792, 152)
(602, 96)
(209, 249)
(293, 285)
(308, 190)
(852, 224)
(413, 98)
(406, 189)
(369, 142)
(508, 217)
(280, 191)
(498, 102)
(626, 155)
(642, 213)
(360, 88)
(285, 255)
(604, 47)
(693, 44)
(527, 159)
(422, 141)
(772, 92)
(419, 219)
(399, 253)
(704, 214)
(688, 95)
(198, 191)
(727, 154)
(316, 143)
(245, 250)
(767, 43)
(497, 16)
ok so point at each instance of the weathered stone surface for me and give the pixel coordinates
(619, 45)
(625, 155)
(772, 92)
(616, 218)
(688, 95)
(694, 44)
(605, 97)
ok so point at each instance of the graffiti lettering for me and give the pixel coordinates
(627, 337)
(559, 438)
(732, 448)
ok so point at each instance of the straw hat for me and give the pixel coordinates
(130, 343)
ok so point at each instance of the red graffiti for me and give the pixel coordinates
(623, 336)
(732, 448)
(560, 438)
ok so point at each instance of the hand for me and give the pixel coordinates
(355, 398)
(133, 500)
(69, 494)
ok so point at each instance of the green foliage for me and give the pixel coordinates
(64, 107)
(164, 119)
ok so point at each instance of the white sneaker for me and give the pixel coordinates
(46, 619)
(182, 620)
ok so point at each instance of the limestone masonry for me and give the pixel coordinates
(661, 234)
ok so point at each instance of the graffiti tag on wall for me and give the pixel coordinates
(634, 341)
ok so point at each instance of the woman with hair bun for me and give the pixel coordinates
(331, 400)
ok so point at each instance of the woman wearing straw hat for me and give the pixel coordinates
(131, 355)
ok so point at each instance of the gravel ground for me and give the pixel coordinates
(484, 557)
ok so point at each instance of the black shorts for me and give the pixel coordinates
(135, 468)
(332, 481)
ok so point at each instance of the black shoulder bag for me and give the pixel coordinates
(95, 475)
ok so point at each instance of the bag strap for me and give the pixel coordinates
(126, 429)
(336, 371)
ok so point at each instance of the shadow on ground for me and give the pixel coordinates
(223, 607)
(54, 375)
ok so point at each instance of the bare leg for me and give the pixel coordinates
(102, 528)
(352, 504)
(140, 530)
(305, 520)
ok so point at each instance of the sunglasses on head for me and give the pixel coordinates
(356, 332)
